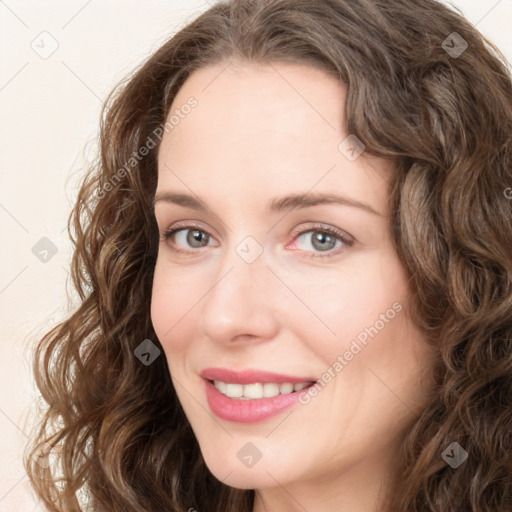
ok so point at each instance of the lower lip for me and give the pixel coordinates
(248, 411)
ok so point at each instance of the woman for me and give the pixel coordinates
(294, 264)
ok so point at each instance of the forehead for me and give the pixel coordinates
(246, 98)
(273, 125)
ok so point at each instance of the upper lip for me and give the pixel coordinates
(250, 376)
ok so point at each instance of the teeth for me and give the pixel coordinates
(221, 386)
(270, 389)
(234, 390)
(257, 390)
(253, 390)
(285, 389)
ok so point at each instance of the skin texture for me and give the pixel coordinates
(260, 132)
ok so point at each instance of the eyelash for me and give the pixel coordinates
(312, 229)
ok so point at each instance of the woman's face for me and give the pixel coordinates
(268, 274)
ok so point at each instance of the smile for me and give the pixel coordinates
(257, 390)
(250, 395)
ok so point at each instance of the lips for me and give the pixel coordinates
(252, 376)
(255, 407)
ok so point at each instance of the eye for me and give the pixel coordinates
(192, 236)
(323, 239)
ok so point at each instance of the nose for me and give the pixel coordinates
(242, 304)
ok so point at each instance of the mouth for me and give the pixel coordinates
(258, 390)
(251, 396)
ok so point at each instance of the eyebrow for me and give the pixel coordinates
(276, 205)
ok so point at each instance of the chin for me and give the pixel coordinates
(240, 477)
(245, 479)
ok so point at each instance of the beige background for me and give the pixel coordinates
(49, 111)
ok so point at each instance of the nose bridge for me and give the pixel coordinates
(240, 300)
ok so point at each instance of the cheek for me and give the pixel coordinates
(173, 306)
(162, 305)
(364, 302)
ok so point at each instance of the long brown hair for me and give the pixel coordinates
(417, 95)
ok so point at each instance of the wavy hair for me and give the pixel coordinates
(116, 428)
